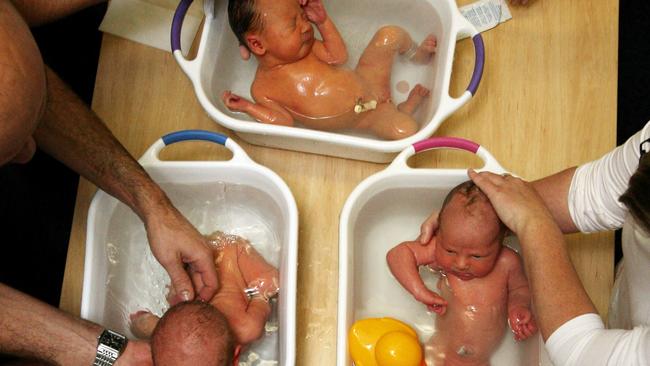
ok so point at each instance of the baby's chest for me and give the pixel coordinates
(486, 292)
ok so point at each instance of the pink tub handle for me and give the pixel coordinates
(491, 164)
(451, 142)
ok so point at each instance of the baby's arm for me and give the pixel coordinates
(520, 316)
(404, 260)
(332, 49)
(266, 111)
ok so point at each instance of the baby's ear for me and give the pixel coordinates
(255, 44)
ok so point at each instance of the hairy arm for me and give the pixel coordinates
(34, 329)
(404, 260)
(74, 135)
(38, 12)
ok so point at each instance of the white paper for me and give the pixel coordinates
(149, 22)
(486, 14)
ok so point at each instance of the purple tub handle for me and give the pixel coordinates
(451, 142)
(479, 50)
(177, 23)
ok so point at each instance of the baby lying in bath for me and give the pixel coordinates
(195, 333)
(298, 80)
(482, 282)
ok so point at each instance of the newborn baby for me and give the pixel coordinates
(198, 334)
(482, 282)
(297, 78)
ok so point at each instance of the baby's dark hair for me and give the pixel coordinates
(637, 196)
(473, 194)
(243, 18)
(192, 333)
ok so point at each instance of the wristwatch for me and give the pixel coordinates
(109, 347)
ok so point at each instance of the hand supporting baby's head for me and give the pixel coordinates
(192, 333)
(470, 234)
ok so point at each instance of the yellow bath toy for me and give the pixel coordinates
(384, 342)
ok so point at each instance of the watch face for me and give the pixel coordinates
(113, 340)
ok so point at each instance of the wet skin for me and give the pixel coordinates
(299, 78)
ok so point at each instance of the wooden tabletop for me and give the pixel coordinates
(547, 101)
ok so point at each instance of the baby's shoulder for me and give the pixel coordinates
(509, 258)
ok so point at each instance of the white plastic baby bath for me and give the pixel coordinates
(383, 210)
(238, 196)
(218, 67)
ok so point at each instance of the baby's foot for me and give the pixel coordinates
(426, 49)
(416, 96)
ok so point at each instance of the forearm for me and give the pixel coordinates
(37, 12)
(403, 264)
(269, 115)
(31, 328)
(334, 50)
(557, 292)
(554, 191)
(74, 135)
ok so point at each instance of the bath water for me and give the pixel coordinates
(136, 281)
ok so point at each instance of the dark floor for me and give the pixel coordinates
(37, 199)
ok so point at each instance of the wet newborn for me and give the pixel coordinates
(482, 283)
(299, 78)
(234, 317)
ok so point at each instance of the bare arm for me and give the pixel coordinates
(34, 329)
(266, 111)
(38, 12)
(332, 49)
(557, 292)
(74, 135)
(554, 191)
(404, 260)
(520, 314)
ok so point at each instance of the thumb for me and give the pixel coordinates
(181, 282)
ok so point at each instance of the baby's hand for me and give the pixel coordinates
(432, 300)
(234, 102)
(521, 322)
(314, 10)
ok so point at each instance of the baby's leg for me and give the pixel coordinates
(377, 59)
(425, 50)
(416, 96)
(388, 123)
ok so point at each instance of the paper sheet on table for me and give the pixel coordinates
(486, 14)
(149, 22)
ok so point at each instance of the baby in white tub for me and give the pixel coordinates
(298, 77)
(196, 333)
(482, 282)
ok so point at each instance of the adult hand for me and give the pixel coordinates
(314, 10)
(521, 322)
(428, 227)
(181, 249)
(136, 353)
(515, 201)
(244, 53)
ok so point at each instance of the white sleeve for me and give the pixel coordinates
(596, 186)
(584, 340)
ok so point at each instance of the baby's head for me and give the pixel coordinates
(277, 30)
(194, 334)
(469, 235)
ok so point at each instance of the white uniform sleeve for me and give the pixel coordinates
(584, 340)
(596, 186)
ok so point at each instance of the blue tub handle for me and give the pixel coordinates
(186, 135)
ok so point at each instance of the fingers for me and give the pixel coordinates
(205, 279)
(181, 282)
(244, 53)
(428, 227)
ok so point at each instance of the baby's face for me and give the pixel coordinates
(467, 246)
(286, 32)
